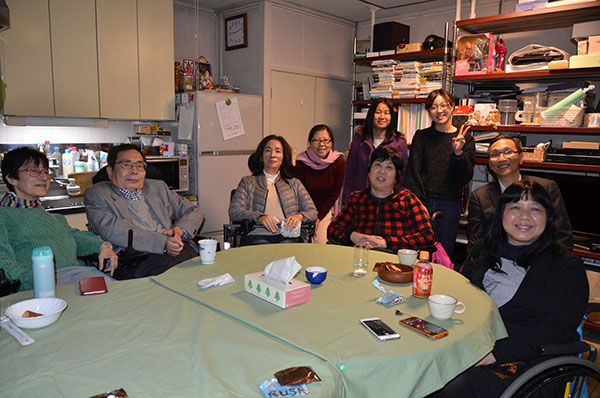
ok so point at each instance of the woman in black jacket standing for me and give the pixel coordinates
(539, 286)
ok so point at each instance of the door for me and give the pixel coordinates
(26, 60)
(292, 107)
(332, 107)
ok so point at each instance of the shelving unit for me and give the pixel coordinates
(539, 19)
(438, 54)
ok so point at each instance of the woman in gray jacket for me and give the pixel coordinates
(271, 196)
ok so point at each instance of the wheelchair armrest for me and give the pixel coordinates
(574, 348)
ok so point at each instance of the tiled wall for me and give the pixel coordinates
(116, 132)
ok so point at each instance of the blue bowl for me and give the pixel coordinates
(316, 275)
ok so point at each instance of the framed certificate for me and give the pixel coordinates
(236, 32)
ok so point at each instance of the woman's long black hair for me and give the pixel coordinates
(390, 130)
(255, 161)
(496, 239)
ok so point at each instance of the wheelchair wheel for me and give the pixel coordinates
(556, 370)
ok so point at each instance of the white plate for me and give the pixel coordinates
(50, 308)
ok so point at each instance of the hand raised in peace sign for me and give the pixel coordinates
(459, 141)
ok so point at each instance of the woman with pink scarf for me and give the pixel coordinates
(321, 170)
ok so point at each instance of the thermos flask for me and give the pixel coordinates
(43, 272)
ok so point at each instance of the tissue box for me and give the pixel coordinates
(294, 293)
(474, 54)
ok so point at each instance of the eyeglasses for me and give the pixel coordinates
(325, 141)
(128, 165)
(35, 173)
(507, 153)
(441, 107)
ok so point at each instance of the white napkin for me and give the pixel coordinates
(283, 270)
(290, 233)
(216, 281)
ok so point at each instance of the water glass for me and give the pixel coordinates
(361, 260)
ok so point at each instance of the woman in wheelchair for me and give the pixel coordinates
(271, 196)
(539, 286)
(25, 225)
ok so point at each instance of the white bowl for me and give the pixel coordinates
(50, 308)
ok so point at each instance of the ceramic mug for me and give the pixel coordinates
(316, 275)
(442, 306)
(208, 250)
(407, 256)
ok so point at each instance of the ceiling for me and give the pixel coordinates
(351, 10)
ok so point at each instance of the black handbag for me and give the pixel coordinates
(432, 42)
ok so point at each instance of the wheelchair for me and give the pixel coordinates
(234, 232)
(569, 368)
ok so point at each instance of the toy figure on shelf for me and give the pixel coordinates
(500, 56)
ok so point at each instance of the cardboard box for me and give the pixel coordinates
(141, 129)
(593, 45)
(581, 145)
(474, 55)
(409, 48)
(294, 293)
(584, 61)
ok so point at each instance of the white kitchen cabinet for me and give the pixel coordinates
(156, 54)
(118, 59)
(27, 61)
(74, 58)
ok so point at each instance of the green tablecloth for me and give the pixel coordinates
(164, 335)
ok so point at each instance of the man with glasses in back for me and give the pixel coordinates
(505, 156)
(163, 222)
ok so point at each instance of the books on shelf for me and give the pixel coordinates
(411, 79)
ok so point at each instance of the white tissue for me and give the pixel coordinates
(290, 233)
(283, 270)
(216, 281)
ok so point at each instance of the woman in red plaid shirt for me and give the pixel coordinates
(383, 216)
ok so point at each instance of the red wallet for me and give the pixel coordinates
(92, 285)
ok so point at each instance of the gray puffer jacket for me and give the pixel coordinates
(250, 199)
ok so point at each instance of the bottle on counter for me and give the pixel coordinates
(422, 276)
(67, 162)
(43, 272)
(55, 161)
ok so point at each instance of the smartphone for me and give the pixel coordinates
(424, 327)
(380, 329)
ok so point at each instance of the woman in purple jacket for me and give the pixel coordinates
(379, 130)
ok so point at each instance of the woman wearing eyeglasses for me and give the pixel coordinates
(321, 171)
(539, 286)
(441, 161)
(25, 225)
(379, 130)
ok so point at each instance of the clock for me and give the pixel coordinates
(236, 32)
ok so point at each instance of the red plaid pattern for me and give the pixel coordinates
(401, 219)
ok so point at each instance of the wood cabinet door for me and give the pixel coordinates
(27, 61)
(156, 55)
(74, 58)
(118, 59)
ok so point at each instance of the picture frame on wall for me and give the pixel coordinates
(236, 32)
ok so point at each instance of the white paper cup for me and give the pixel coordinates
(407, 256)
(208, 250)
(442, 306)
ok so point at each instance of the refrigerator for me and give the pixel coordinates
(217, 164)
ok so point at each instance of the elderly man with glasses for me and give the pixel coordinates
(505, 157)
(163, 222)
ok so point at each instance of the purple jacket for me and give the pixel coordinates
(357, 163)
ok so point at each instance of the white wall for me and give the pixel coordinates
(195, 33)
(116, 132)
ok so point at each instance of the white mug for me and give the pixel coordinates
(208, 250)
(407, 256)
(442, 306)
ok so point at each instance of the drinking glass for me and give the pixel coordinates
(361, 260)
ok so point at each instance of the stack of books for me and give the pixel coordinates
(431, 77)
(382, 78)
(410, 80)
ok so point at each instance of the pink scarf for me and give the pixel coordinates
(312, 160)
